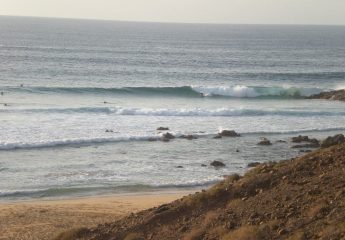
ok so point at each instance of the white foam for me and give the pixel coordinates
(240, 91)
(71, 142)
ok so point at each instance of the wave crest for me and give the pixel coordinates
(237, 91)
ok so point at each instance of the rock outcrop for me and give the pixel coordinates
(264, 142)
(338, 95)
(217, 164)
(163, 129)
(331, 141)
(166, 137)
(228, 133)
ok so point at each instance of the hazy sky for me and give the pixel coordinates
(210, 11)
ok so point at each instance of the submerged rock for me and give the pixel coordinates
(253, 164)
(168, 136)
(217, 164)
(229, 133)
(305, 151)
(188, 137)
(309, 145)
(152, 139)
(218, 136)
(162, 129)
(265, 142)
(331, 141)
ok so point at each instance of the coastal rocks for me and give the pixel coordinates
(331, 141)
(338, 95)
(166, 137)
(308, 145)
(312, 142)
(163, 129)
(253, 164)
(217, 136)
(228, 133)
(109, 131)
(300, 139)
(217, 164)
(264, 142)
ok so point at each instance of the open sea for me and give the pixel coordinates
(81, 99)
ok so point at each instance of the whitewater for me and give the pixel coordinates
(79, 113)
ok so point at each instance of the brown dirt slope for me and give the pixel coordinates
(302, 198)
(332, 95)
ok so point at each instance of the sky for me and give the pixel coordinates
(325, 12)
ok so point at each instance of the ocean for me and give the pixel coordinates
(81, 101)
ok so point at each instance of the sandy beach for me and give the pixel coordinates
(45, 219)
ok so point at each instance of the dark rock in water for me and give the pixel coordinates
(300, 138)
(265, 142)
(281, 141)
(314, 143)
(152, 139)
(305, 151)
(253, 164)
(338, 95)
(331, 141)
(217, 164)
(203, 165)
(179, 167)
(218, 136)
(237, 150)
(188, 137)
(309, 145)
(166, 137)
(109, 131)
(229, 133)
(162, 129)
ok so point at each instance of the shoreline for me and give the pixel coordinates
(174, 191)
(26, 219)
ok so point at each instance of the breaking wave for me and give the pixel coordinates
(237, 91)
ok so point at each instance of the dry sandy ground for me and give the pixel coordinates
(38, 220)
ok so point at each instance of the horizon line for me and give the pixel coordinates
(168, 22)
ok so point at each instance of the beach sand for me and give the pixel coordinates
(45, 219)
